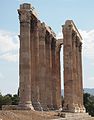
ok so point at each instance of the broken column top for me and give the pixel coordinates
(49, 29)
(29, 7)
(70, 23)
(25, 6)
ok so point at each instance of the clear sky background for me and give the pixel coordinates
(54, 13)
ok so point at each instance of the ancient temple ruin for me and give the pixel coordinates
(73, 88)
(40, 74)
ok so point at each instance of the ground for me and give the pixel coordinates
(30, 115)
(27, 115)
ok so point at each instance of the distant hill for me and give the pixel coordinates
(89, 90)
(86, 90)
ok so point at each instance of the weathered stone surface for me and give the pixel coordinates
(73, 89)
(25, 57)
(39, 63)
(74, 116)
(40, 76)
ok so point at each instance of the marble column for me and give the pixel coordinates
(58, 76)
(34, 39)
(25, 58)
(75, 70)
(82, 108)
(48, 79)
(69, 81)
(79, 86)
(53, 56)
(42, 66)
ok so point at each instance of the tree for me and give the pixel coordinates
(8, 100)
(1, 101)
(15, 99)
(89, 103)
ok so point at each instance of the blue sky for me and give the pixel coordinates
(54, 13)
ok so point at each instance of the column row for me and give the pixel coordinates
(39, 63)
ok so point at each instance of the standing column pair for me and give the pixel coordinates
(73, 89)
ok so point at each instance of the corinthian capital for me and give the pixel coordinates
(24, 15)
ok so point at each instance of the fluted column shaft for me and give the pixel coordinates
(48, 71)
(75, 76)
(25, 60)
(42, 65)
(35, 59)
(82, 108)
(53, 80)
(58, 78)
(81, 82)
(68, 67)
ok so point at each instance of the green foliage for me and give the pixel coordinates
(89, 103)
(1, 101)
(15, 99)
(8, 100)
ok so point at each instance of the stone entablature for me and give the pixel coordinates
(70, 24)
